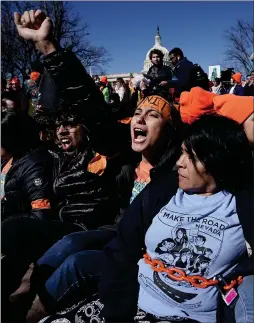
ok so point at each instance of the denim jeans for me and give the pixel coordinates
(73, 243)
(70, 269)
(244, 307)
(76, 279)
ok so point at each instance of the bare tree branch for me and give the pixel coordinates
(70, 32)
(240, 45)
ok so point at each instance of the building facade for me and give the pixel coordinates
(147, 63)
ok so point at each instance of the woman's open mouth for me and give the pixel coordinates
(66, 144)
(139, 135)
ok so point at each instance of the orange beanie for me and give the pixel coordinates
(237, 77)
(104, 79)
(15, 80)
(34, 76)
(238, 108)
(195, 103)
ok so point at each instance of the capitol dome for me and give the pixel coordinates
(157, 45)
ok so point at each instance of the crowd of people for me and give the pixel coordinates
(170, 82)
(130, 202)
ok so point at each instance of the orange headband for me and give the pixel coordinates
(158, 103)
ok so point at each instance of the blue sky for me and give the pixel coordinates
(127, 29)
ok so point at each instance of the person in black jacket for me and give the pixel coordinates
(159, 75)
(84, 177)
(82, 114)
(214, 196)
(26, 172)
(154, 132)
(26, 188)
(209, 143)
(249, 85)
(184, 75)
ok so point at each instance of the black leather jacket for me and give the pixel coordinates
(28, 186)
(157, 74)
(84, 198)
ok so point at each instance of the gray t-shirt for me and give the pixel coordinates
(200, 235)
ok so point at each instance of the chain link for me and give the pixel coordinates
(180, 275)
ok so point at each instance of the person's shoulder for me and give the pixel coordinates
(186, 62)
(166, 183)
(40, 155)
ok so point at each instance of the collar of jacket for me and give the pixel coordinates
(157, 67)
(180, 62)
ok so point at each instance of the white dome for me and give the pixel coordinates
(157, 45)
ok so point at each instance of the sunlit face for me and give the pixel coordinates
(147, 127)
(70, 136)
(248, 79)
(192, 175)
(156, 59)
(173, 59)
(248, 126)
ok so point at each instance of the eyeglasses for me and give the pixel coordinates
(66, 125)
(171, 58)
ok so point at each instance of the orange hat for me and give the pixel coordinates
(125, 120)
(15, 80)
(158, 103)
(238, 108)
(34, 76)
(195, 103)
(104, 79)
(237, 77)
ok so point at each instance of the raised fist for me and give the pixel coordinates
(34, 25)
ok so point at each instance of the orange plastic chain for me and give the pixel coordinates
(180, 275)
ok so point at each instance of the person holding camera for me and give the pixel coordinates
(158, 74)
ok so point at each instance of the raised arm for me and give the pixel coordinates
(67, 84)
(73, 85)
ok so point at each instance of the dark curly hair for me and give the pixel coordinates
(176, 51)
(156, 51)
